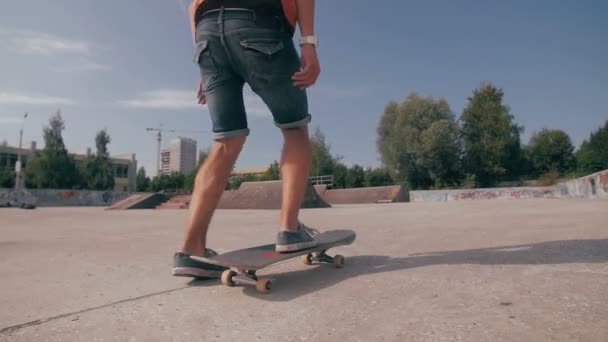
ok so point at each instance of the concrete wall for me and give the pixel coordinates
(594, 186)
(63, 198)
(481, 194)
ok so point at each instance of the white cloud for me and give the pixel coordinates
(82, 67)
(164, 99)
(10, 120)
(76, 55)
(24, 99)
(179, 99)
(40, 43)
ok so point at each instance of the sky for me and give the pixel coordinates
(125, 66)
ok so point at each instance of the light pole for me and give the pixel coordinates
(18, 168)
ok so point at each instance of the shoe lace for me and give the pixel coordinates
(310, 231)
(210, 253)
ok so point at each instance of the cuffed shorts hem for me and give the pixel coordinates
(231, 134)
(294, 124)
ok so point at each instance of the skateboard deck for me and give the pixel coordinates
(245, 262)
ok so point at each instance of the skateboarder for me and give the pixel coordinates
(251, 41)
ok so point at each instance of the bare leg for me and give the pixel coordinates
(211, 180)
(295, 168)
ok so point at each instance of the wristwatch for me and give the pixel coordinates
(313, 40)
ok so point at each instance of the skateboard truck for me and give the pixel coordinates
(322, 257)
(263, 285)
(246, 277)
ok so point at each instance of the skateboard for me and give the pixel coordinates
(244, 263)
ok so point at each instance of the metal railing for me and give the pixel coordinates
(322, 180)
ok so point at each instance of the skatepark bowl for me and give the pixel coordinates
(505, 269)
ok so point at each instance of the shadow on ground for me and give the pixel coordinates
(290, 285)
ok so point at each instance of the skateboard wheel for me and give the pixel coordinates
(227, 276)
(307, 259)
(339, 261)
(263, 285)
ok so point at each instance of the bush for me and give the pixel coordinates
(549, 178)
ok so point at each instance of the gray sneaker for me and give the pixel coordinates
(303, 238)
(184, 266)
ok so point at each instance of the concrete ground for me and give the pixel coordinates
(503, 270)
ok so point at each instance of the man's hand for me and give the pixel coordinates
(202, 99)
(310, 71)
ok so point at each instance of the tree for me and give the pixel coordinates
(53, 167)
(142, 181)
(492, 151)
(102, 139)
(408, 145)
(377, 177)
(593, 153)
(355, 178)
(322, 161)
(339, 173)
(7, 177)
(440, 153)
(551, 150)
(96, 171)
(273, 173)
(174, 181)
(190, 179)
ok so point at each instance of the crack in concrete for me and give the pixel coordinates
(14, 328)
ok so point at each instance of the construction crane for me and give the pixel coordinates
(159, 137)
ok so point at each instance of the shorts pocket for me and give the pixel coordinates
(203, 56)
(200, 48)
(263, 46)
(268, 60)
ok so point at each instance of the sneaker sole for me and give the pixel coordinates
(195, 272)
(296, 246)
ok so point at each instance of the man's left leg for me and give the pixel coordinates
(210, 183)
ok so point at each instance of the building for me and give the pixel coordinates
(180, 157)
(123, 166)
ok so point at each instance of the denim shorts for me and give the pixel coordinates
(235, 46)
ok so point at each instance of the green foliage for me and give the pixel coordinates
(7, 177)
(273, 173)
(323, 162)
(418, 141)
(53, 168)
(190, 179)
(593, 153)
(551, 150)
(549, 178)
(172, 182)
(492, 149)
(236, 181)
(102, 139)
(339, 173)
(143, 181)
(355, 177)
(378, 177)
(440, 153)
(96, 171)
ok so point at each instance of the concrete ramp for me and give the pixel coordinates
(176, 202)
(379, 194)
(266, 195)
(139, 201)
